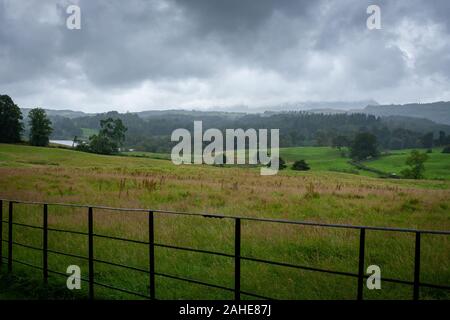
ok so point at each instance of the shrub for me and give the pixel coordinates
(416, 168)
(364, 146)
(446, 149)
(281, 164)
(300, 165)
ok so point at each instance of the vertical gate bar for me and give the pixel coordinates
(45, 244)
(362, 242)
(417, 268)
(151, 253)
(1, 233)
(10, 236)
(91, 253)
(237, 259)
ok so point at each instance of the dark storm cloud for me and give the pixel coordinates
(141, 54)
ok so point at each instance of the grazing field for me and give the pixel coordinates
(319, 158)
(437, 165)
(334, 160)
(61, 175)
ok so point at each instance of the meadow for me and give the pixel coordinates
(336, 160)
(437, 166)
(323, 195)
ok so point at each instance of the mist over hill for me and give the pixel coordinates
(437, 111)
(61, 113)
(396, 126)
(152, 131)
(298, 106)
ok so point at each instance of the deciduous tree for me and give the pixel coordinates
(40, 127)
(11, 126)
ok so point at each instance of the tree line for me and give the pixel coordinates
(107, 141)
(296, 129)
(11, 125)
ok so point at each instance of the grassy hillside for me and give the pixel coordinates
(436, 167)
(319, 158)
(438, 112)
(60, 175)
(331, 159)
(153, 155)
(334, 160)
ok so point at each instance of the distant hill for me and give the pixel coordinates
(312, 106)
(54, 113)
(157, 113)
(437, 111)
(415, 124)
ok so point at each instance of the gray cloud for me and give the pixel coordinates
(174, 53)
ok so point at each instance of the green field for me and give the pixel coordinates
(334, 160)
(437, 166)
(321, 195)
(319, 158)
(152, 155)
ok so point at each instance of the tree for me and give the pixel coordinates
(109, 139)
(101, 144)
(40, 127)
(427, 140)
(415, 161)
(340, 141)
(300, 165)
(442, 139)
(322, 138)
(114, 130)
(11, 126)
(364, 146)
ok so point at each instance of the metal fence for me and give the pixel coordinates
(237, 257)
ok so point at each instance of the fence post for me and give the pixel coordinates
(151, 253)
(1, 233)
(237, 259)
(10, 236)
(417, 268)
(45, 245)
(362, 240)
(91, 252)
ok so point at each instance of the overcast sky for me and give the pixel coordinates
(138, 55)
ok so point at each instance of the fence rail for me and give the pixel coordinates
(238, 258)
